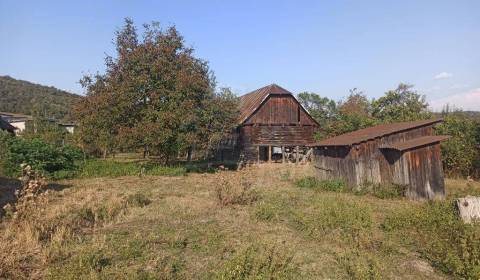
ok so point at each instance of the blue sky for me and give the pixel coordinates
(325, 47)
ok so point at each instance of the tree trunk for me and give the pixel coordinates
(189, 154)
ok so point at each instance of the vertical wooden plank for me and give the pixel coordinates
(269, 153)
(258, 154)
(283, 154)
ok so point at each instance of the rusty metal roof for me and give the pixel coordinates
(373, 132)
(414, 143)
(4, 125)
(250, 102)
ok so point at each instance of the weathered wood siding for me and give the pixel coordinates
(280, 109)
(279, 120)
(420, 169)
(425, 172)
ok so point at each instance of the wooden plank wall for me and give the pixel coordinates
(367, 163)
(280, 109)
(425, 172)
(280, 121)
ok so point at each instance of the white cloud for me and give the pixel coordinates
(469, 100)
(443, 75)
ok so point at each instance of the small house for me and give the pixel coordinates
(272, 125)
(405, 153)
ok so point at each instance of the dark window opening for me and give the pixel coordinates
(263, 153)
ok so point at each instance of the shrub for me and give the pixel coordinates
(460, 154)
(138, 200)
(41, 156)
(229, 192)
(259, 262)
(327, 185)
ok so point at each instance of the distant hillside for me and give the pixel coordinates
(17, 96)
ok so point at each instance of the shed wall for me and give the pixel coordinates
(366, 162)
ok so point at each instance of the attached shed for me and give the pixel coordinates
(271, 122)
(406, 153)
(4, 125)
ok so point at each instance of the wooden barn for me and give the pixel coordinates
(406, 154)
(272, 125)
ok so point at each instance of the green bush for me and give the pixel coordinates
(41, 156)
(460, 154)
(327, 185)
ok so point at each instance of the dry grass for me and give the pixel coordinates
(157, 227)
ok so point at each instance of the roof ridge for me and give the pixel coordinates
(368, 133)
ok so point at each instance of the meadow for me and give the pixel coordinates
(264, 222)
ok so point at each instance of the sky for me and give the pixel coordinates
(326, 47)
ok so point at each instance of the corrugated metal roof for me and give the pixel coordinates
(373, 132)
(6, 126)
(417, 142)
(252, 101)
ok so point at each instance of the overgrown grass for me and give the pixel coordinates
(165, 227)
(327, 185)
(110, 168)
(260, 262)
(383, 191)
(435, 230)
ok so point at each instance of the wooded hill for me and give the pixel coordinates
(17, 96)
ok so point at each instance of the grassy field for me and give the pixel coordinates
(266, 222)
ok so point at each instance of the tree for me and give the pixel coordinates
(322, 109)
(401, 104)
(354, 113)
(219, 119)
(154, 95)
(460, 153)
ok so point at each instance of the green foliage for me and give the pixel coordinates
(109, 168)
(441, 237)
(17, 96)
(460, 153)
(320, 108)
(401, 104)
(327, 185)
(156, 96)
(46, 130)
(41, 156)
(259, 262)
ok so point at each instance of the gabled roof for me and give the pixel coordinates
(4, 125)
(250, 102)
(416, 142)
(373, 132)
